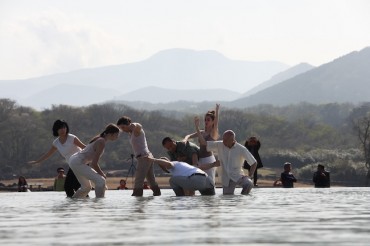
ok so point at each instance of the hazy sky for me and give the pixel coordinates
(39, 37)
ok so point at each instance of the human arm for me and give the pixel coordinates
(99, 146)
(45, 156)
(250, 159)
(78, 143)
(201, 139)
(166, 164)
(192, 135)
(252, 170)
(214, 133)
(207, 166)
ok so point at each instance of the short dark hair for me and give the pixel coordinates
(124, 120)
(58, 124)
(165, 140)
(60, 169)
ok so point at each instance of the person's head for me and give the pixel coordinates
(252, 140)
(124, 123)
(287, 166)
(60, 170)
(320, 168)
(209, 119)
(110, 132)
(22, 180)
(60, 127)
(169, 144)
(122, 182)
(228, 138)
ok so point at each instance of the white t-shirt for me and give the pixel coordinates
(232, 160)
(183, 169)
(68, 148)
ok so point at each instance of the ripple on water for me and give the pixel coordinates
(335, 216)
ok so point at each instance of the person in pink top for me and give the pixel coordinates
(143, 155)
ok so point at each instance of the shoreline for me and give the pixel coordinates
(46, 184)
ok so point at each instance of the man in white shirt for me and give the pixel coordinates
(232, 155)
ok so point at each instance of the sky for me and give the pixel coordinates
(42, 37)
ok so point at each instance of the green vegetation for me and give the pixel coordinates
(303, 134)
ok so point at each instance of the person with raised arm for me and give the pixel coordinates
(210, 133)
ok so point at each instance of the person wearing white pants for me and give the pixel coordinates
(91, 155)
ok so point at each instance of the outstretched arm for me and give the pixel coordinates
(207, 166)
(44, 156)
(78, 143)
(192, 135)
(166, 164)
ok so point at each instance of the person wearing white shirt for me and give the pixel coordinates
(232, 155)
(187, 178)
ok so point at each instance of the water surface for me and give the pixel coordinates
(298, 216)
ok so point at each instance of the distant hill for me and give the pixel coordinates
(155, 94)
(346, 79)
(74, 95)
(285, 75)
(172, 69)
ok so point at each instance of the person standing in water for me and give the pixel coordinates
(144, 157)
(91, 155)
(66, 144)
(210, 133)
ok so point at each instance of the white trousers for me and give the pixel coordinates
(84, 174)
(212, 171)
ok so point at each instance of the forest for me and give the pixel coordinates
(303, 134)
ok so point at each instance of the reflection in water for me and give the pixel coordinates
(335, 216)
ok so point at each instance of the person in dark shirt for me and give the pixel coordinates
(286, 178)
(181, 151)
(253, 145)
(321, 177)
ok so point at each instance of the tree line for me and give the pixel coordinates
(303, 134)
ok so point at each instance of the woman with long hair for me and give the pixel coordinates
(91, 155)
(210, 133)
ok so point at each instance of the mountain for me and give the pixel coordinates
(346, 79)
(285, 75)
(172, 69)
(74, 95)
(155, 94)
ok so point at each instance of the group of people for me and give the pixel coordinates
(321, 178)
(192, 167)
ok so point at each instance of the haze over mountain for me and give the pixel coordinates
(155, 94)
(285, 75)
(346, 79)
(171, 69)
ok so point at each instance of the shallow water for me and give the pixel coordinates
(299, 216)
